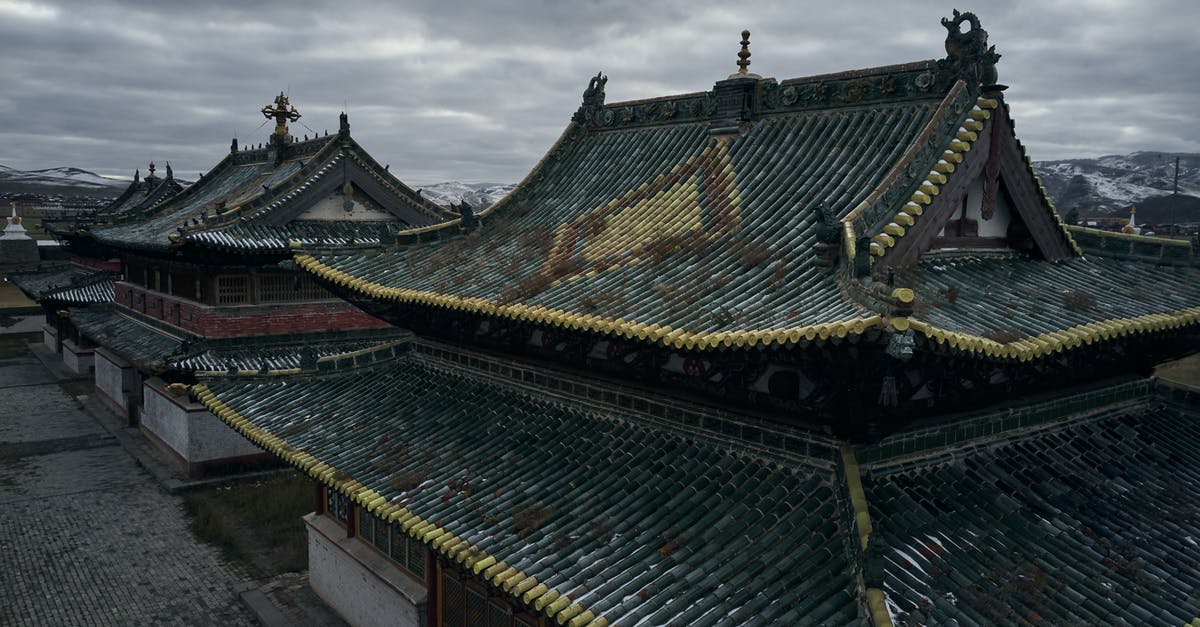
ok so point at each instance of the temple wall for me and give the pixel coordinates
(76, 359)
(358, 583)
(190, 430)
(245, 320)
(115, 380)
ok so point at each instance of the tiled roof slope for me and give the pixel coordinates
(250, 188)
(649, 225)
(1011, 306)
(279, 239)
(1084, 521)
(140, 196)
(69, 284)
(626, 523)
(137, 341)
(280, 354)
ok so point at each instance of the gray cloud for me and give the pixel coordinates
(444, 91)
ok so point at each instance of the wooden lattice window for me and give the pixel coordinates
(499, 615)
(337, 505)
(232, 290)
(366, 527)
(452, 602)
(477, 607)
(416, 557)
(275, 288)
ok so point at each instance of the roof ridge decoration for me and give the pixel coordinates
(968, 55)
(744, 59)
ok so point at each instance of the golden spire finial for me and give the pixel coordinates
(744, 54)
(282, 114)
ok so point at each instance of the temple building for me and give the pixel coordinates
(90, 274)
(806, 351)
(205, 284)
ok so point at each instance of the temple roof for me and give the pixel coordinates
(141, 195)
(69, 284)
(644, 522)
(670, 232)
(1007, 306)
(768, 213)
(1083, 519)
(1073, 508)
(272, 188)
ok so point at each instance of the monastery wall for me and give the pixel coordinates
(191, 431)
(78, 360)
(115, 379)
(360, 584)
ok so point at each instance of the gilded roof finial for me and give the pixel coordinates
(282, 114)
(744, 54)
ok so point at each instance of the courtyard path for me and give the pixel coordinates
(86, 536)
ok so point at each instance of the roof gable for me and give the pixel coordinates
(271, 187)
(984, 148)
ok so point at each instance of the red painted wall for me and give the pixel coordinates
(244, 320)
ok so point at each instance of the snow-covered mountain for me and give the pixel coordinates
(59, 178)
(1107, 186)
(478, 195)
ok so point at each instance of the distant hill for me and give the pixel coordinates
(1107, 186)
(63, 181)
(478, 195)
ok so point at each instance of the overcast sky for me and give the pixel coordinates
(442, 92)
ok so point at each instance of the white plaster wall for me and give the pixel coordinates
(209, 439)
(330, 208)
(79, 361)
(360, 584)
(163, 418)
(110, 378)
(1001, 217)
(190, 430)
(50, 338)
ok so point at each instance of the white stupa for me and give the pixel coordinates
(14, 230)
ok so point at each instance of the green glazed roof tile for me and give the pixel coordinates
(1091, 520)
(629, 521)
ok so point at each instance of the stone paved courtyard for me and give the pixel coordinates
(86, 536)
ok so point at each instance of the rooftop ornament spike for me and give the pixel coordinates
(744, 59)
(744, 55)
(283, 112)
(151, 175)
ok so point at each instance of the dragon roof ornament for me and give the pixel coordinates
(968, 55)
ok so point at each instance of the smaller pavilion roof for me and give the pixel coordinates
(271, 187)
(69, 284)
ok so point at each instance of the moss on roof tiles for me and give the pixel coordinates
(636, 524)
(665, 232)
(1017, 308)
(1088, 521)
